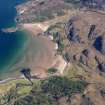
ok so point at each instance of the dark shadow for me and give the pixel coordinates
(98, 43)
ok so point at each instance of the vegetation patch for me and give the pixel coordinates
(59, 87)
(45, 92)
(52, 70)
(75, 71)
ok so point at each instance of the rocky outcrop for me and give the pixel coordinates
(92, 34)
(71, 31)
(88, 53)
(97, 4)
(102, 92)
(86, 101)
(101, 67)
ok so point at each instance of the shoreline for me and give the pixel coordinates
(7, 80)
(47, 59)
(58, 61)
(46, 47)
(9, 30)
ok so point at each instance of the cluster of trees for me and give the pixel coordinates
(34, 99)
(9, 97)
(71, 31)
(59, 87)
(51, 90)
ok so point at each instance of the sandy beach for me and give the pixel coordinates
(45, 56)
(40, 54)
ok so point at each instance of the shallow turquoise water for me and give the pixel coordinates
(11, 44)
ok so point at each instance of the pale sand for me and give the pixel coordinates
(36, 27)
(44, 58)
(48, 60)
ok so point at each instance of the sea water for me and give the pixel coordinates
(12, 45)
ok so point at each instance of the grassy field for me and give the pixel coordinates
(24, 87)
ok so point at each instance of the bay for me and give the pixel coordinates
(12, 45)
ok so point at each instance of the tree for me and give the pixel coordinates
(34, 99)
(52, 70)
(27, 73)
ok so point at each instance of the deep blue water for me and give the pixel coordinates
(8, 12)
(11, 44)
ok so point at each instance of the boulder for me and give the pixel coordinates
(83, 59)
(101, 67)
(88, 53)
